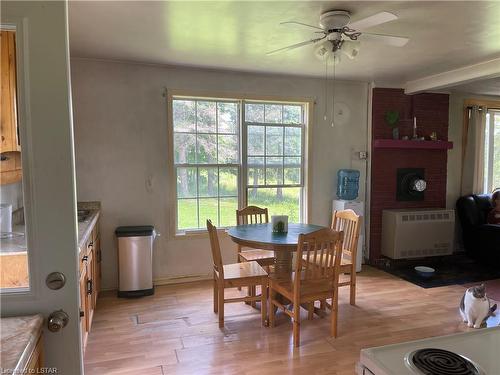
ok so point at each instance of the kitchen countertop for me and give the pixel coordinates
(17, 243)
(18, 338)
(85, 227)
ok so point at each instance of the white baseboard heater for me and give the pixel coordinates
(417, 233)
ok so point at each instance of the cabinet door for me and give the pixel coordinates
(90, 286)
(97, 269)
(8, 115)
(83, 305)
(35, 363)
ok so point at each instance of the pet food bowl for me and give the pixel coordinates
(424, 271)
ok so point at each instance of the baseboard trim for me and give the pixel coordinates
(181, 279)
(172, 280)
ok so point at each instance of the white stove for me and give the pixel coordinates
(476, 352)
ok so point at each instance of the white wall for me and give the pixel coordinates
(121, 140)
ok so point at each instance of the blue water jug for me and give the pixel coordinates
(347, 184)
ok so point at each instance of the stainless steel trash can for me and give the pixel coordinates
(135, 260)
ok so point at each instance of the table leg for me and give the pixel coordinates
(283, 266)
(283, 263)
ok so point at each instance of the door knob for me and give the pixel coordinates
(57, 320)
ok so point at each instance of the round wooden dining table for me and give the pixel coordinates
(261, 236)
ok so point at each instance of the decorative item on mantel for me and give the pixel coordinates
(392, 119)
(415, 136)
(279, 223)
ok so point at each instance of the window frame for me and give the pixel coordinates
(208, 165)
(307, 105)
(489, 146)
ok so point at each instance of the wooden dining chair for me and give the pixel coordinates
(245, 274)
(314, 280)
(265, 258)
(254, 215)
(348, 222)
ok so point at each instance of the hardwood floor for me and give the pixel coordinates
(176, 332)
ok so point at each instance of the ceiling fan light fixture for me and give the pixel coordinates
(335, 58)
(334, 19)
(350, 48)
(323, 50)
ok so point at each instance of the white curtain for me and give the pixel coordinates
(473, 151)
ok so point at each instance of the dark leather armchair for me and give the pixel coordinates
(481, 240)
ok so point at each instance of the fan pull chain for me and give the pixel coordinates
(326, 89)
(333, 93)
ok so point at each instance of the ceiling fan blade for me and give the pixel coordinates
(293, 46)
(295, 23)
(391, 40)
(374, 20)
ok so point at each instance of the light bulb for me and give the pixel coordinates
(350, 48)
(323, 50)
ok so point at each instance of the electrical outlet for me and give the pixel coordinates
(363, 155)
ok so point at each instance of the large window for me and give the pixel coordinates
(492, 150)
(274, 157)
(232, 153)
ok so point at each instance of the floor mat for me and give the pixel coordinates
(449, 271)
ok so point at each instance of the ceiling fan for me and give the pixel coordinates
(340, 34)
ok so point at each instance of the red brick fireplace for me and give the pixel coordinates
(431, 111)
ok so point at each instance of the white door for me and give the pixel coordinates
(48, 185)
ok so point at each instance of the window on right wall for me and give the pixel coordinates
(492, 150)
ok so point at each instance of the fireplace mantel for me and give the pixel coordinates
(410, 144)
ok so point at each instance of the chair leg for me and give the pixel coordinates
(263, 304)
(352, 287)
(239, 261)
(296, 324)
(322, 304)
(310, 311)
(249, 294)
(335, 309)
(216, 296)
(272, 308)
(253, 293)
(221, 307)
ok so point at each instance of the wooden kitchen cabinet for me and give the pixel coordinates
(9, 135)
(90, 281)
(35, 362)
(10, 164)
(83, 304)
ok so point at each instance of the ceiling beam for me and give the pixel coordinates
(466, 74)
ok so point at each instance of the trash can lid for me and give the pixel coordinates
(134, 231)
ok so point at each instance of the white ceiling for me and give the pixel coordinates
(235, 35)
(482, 87)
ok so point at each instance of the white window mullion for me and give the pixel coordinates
(243, 180)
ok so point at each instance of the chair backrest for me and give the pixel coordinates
(215, 246)
(348, 222)
(252, 215)
(322, 252)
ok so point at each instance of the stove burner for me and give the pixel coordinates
(432, 361)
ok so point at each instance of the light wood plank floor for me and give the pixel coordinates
(176, 332)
